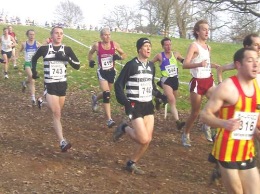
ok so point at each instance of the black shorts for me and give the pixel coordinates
(9, 54)
(241, 165)
(173, 82)
(57, 88)
(141, 109)
(108, 75)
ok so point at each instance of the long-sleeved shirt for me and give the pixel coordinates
(138, 79)
(55, 69)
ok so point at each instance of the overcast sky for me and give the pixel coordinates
(43, 10)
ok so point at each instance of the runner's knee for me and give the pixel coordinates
(106, 96)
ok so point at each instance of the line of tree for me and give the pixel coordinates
(231, 19)
(227, 18)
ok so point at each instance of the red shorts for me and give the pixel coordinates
(201, 85)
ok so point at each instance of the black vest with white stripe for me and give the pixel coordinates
(54, 70)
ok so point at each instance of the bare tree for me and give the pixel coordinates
(69, 13)
(183, 16)
(121, 17)
(167, 15)
(243, 25)
(241, 6)
(165, 12)
(225, 23)
(149, 7)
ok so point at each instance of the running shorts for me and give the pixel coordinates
(241, 165)
(201, 85)
(56, 88)
(141, 109)
(9, 54)
(108, 75)
(173, 82)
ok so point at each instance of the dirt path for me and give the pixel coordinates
(31, 161)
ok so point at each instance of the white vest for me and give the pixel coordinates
(201, 72)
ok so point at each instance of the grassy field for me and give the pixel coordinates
(85, 78)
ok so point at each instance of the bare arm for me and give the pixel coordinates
(21, 50)
(192, 52)
(179, 57)
(156, 58)
(38, 44)
(120, 51)
(92, 51)
(223, 68)
(13, 41)
(224, 94)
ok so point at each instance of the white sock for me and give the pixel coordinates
(62, 141)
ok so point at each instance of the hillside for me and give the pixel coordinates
(31, 161)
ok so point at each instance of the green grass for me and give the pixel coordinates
(86, 79)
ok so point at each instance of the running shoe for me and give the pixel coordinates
(157, 103)
(24, 86)
(65, 146)
(33, 102)
(134, 169)
(94, 103)
(207, 132)
(180, 124)
(185, 140)
(6, 76)
(119, 132)
(215, 175)
(15, 66)
(110, 123)
(39, 102)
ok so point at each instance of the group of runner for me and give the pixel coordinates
(234, 113)
(8, 42)
(232, 105)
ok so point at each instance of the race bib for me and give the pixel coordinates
(6, 46)
(29, 56)
(247, 127)
(172, 70)
(57, 70)
(107, 63)
(145, 89)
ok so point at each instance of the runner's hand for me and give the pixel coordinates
(61, 56)
(116, 57)
(231, 124)
(129, 109)
(35, 75)
(163, 98)
(92, 63)
(2, 61)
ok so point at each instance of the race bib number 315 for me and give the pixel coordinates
(247, 127)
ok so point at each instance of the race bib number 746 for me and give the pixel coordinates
(248, 121)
